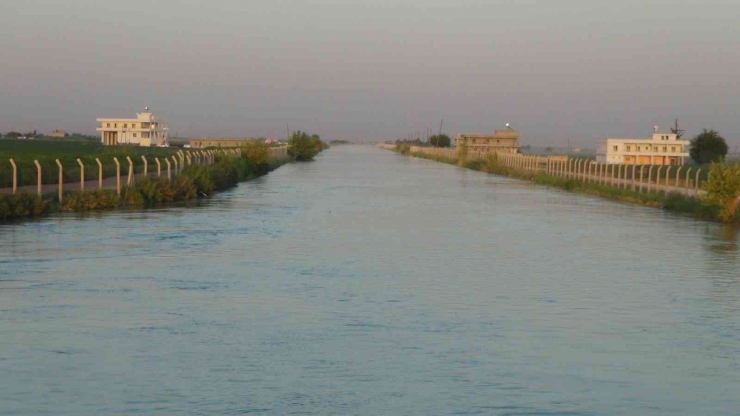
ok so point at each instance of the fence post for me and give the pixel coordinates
(642, 169)
(634, 177)
(15, 175)
(118, 176)
(38, 174)
(130, 180)
(82, 175)
(61, 180)
(657, 179)
(604, 172)
(611, 177)
(696, 181)
(650, 179)
(169, 176)
(625, 183)
(177, 166)
(593, 169)
(571, 163)
(146, 166)
(583, 170)
(159, 167)
(667, 178)
(678, 175)
(190, 160)
(687, 180)
(100, 173)
(576, 168)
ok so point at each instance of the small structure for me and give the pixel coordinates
(145, 130)
(202, 143)
(502, 141)
(58, 134)
(658, 149)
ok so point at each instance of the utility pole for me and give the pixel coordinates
(440, 126)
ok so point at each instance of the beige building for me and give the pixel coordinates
(145, 130)
(58, 134)
(202, 143)
(502, 141)
(658, 149)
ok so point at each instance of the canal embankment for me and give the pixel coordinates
(708, 195)
(181, 176)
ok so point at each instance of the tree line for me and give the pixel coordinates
(437, 140)
(303, 147)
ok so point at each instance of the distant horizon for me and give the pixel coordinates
(375, 71)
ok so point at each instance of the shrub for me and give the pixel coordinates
(90, 200)
(723, 189)
(462, 154)
(23, 205)
(302, 146)
(403, 148)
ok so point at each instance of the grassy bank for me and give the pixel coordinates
(24, 152)
(195, 181)
(672, 202)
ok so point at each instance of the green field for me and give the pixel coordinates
(24, 152)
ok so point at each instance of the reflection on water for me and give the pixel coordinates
(371, 283)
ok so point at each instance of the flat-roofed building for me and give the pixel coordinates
(204, 142)
(658, 149)
(145, 130)
(502, 141)
(58, 134)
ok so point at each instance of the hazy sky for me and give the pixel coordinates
(374, 69)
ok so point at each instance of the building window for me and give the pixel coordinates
(616, 148)
(115, 125)
(125, 125)
(133, 126)
(665, 149)
(108, 125)
(134, 134)
(628, 148)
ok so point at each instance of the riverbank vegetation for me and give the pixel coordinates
(303, 147)
(194, 181)
(721, 202)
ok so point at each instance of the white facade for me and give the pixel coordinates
(658, 149)
(145, 130)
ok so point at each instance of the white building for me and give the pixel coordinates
(145, 130)
(658, 149)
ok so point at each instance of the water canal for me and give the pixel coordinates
(368, 283)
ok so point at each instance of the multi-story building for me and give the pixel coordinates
(58, 134)
(658, 149)
(145, 130)
(502, 141)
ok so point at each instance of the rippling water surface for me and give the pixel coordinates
(367, 283)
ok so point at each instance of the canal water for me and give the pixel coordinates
(369, 283)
